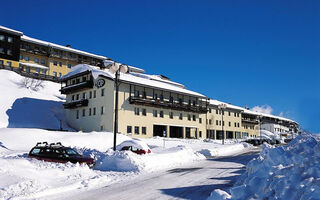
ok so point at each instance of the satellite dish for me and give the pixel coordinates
(124, 69)
(113, 68)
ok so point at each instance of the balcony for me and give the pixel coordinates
(76, 104)
(167, 104)
(250, 120)
(76, 87)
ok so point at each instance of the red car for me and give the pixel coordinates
(55, 152)
(135, 150)
(135, 146)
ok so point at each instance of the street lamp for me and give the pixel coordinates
(116, 68)
(221, 107)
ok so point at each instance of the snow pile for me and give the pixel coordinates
(224, 150)
(23, 107)
(290, 172)
(129, 161)
(269, 135)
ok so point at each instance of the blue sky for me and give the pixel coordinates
(243, 52)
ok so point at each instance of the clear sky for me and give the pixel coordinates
(251, 53)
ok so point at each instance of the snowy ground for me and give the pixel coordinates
(289, 172)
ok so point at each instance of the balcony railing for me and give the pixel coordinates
(167, 104)
(249, 120)
(76, 87)
(76, 104)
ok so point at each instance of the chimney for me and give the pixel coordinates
(68, 45)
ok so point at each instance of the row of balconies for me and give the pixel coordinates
(76, 104)
(76, 87)
(167, 104)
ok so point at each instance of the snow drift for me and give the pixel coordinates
(290, 172)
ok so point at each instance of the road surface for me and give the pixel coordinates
(195, 181)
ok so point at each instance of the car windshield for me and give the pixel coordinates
(71, 152)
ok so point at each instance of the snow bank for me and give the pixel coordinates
(290, 172)
(224, 150)
(23, 107)
(129, 161)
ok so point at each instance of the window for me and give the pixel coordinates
(89, 111)
(171, 99)
(136, 111)
(94, 94)
(78, 96)
(83, 112)
(171, 115)
(43, 62)
(209, 110)
(144, 94)
(229, 113)
(9, 64)
(155, 113)
(238, 115)
(77, 114)
(2, 37)
(210, 121)
(1, 62)
(200, 120)
(102, 110)
(60, 74)
(189, 117)
(223, 112)
(144, 111)
(193, 117)
(180, 116)
(94, 111)
(229, 122)
(60, 64)
(90, 94)
(238, 124)
(38, 71)
(9, 52)
(1, 50)
(155, 96)
(36, 60)
(84, 95)
(200, 133)
(217, 112)
(217, 122)
(161, 97)
(161, 113)
(136, 93)
(72, 98)
(222, 123)
(26, 58)
(144, 130)
(101, 128)
(129, 129)
(55, 74)
(21, 57)
(194, 103)
(28, 69)
(10, 39)
(102, 92)
(55, 63)
(235, 124)
(136, 130)
(69, 66)
(235, 114)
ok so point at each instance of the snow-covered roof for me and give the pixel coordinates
(216, 103)
(34, 65)
(9, 30)
(158, 78)
(61, 47)
(130, 78)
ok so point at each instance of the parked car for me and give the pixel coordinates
(135, 146)
(56, 152)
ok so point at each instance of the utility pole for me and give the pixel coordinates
(116, 80)
(221, 107)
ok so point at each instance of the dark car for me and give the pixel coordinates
(56, 152)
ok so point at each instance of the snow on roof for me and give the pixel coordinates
(9, 30)
(34, 65)
(247, 111)
(136, 69)
(216, 103)
(135, 143)
(61, 47)
(128, 78)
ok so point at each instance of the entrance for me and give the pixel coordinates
(159, 129)
(176, 132)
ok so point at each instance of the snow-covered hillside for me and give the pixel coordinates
(23, 107)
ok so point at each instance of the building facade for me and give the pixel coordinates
(9, 47)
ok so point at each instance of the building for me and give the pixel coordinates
(149, 105)
(227, 119)
(40, 59)
(9, 47)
